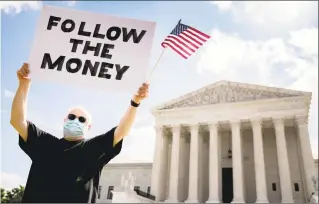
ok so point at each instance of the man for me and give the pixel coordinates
(66, 170)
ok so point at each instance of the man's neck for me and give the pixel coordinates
(71, 138)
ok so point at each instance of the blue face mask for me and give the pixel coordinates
(74, 128)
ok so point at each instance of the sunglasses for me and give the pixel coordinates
(73, 117)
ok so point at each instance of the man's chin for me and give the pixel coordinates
(73, 138)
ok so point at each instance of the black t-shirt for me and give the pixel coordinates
(65, 171)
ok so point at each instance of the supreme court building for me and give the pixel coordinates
(233, 142)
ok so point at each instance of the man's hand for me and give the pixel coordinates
(142, 93)
(23, 73)
(18, 110)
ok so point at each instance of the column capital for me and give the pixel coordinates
(278, 120)
(213, 125)
(234, 122)
(302, 119)
(194, 125)
(256, 121)
(158, 127)
(159, 130)
(176, 128)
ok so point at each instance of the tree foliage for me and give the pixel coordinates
(12, 196)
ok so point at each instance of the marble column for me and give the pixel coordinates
(155, 167)
(283, 163)
(306, 153)
(160, 165)
(214, 164)
(238, 176)
(193, 165)
(173, 182)
(260, 174)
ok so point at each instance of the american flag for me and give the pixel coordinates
(185, 40)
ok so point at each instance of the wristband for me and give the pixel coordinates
(134, 104)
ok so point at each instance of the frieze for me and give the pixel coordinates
(226, 94)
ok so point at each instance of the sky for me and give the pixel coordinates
(265, 43)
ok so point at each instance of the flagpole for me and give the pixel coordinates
(151, 74)
(149, 77)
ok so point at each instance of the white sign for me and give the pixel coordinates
(91, 50)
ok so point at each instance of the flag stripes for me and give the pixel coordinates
(185, 40)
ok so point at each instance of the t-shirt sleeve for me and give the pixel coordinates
(37, 141)
(101, 149)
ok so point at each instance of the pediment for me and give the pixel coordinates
(229, 92)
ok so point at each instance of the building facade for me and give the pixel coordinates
(112, 175)
(234, 142)
(227, 142)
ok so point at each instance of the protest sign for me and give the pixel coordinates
(90, 49)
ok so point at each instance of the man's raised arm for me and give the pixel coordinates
(19, 104)
(128, 119)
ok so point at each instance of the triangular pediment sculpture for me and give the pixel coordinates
(227, 92)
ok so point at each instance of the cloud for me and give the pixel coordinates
(290, 63)
(138, 146)
(9, 180)
(70, 3)
(272, 15)
(256, 61)
(306, 40)
(223, 5)
(18, 6)
(45, 123)
(144, 119)
(8, 94)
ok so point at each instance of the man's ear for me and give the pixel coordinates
(89, 127)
